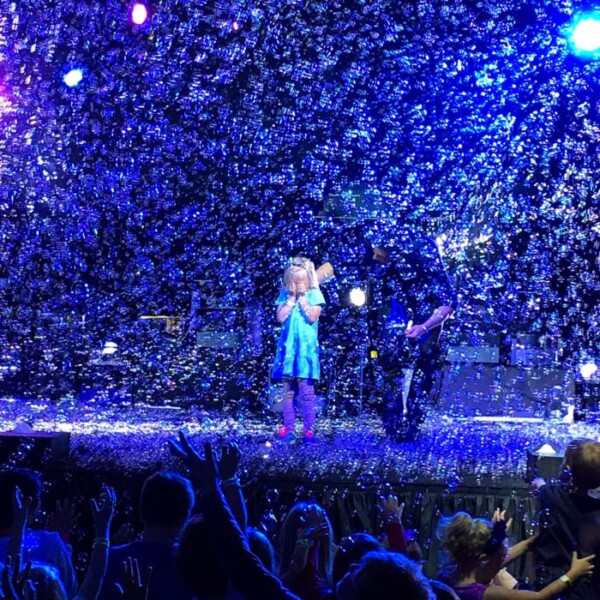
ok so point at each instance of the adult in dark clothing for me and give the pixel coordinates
(570, 520)
(412, 297)
(166, 503)
(245, 573)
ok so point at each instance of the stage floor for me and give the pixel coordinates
(351, 450)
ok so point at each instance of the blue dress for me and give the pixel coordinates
(298, 346)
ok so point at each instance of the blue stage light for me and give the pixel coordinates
(73, 77)
(585, 35)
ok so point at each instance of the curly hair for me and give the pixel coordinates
(465, 538)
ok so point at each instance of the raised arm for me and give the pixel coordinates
(230, 484)
(247, 574)
(439, 315)
(102, 513)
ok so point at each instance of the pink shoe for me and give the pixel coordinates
(285, 434)
(309, 437)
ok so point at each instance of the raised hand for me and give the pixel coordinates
(16, 584)
(581, 566)
(500, 515)
(414, 332)
(391, 511)
(20, 508)
(301, 287)
(229, 461)
(103, 510)
(204, 471)
(134, 587)
(315, 533)
(63, 519)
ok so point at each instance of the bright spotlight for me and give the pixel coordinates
(585, 34)
(139, 13)
(109, 349)
(73, 77)
(588, 370)
(358, 297)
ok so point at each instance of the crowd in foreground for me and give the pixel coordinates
(196, 544)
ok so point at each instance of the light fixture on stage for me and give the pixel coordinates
(110, 348)
(139, 13)
(584, 39)
(587, 392)
(73, 77)
(355, 295)
(358, 297)
(588, 370)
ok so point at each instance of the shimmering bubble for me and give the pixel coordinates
(545, 519)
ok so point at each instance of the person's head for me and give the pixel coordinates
(261, 546)
(584, 464)
(301, 273)
(30, 484)
(47, 582)
(381, 255)
(198, 561)
(386, 576)
(350, 551)
(565, 467)
(306, 515)
(475, 545)
(166, 501)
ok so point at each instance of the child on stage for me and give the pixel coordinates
(297, 359)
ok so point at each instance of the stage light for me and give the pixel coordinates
(139, 13)
(585, 35)
(73, 77)
(358, 297)
(109, 349)
(588, 370)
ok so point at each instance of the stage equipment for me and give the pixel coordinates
(588, 370)
(473, 354)
(139, 13)
(584, 38)
(218, 339)
(110, 348)
(358, 297)
(472, 342)
(73, 77)
(24, 447)
(533, 350)
(587, 393)
(544, 462)
(486, 390)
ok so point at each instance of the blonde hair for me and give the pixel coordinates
(465, 538)
(301, 265)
